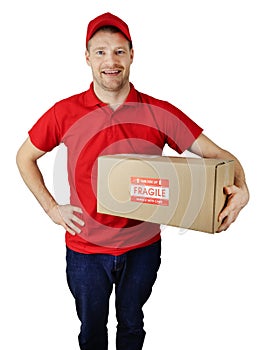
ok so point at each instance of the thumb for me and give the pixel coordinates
(229, 189)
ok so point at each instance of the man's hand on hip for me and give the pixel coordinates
(64, 215)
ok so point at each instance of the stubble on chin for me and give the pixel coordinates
(115, 85)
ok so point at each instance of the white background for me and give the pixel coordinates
(201, 56)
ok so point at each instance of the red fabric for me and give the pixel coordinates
(107, 19)
(89, 128)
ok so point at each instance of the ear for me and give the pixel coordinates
(131, 55)
(87, 57)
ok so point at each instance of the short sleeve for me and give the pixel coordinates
(181, 130)
(45, 133)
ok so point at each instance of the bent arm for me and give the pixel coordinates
(63, 215)
(206, 148)
(26, 160)
(238, 194)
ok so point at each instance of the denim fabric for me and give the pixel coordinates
(91, 278)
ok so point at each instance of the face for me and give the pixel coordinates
(109, 57)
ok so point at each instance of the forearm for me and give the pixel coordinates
(63, 215)
(206, 148)
(238, 194)
(33, 179)
(239, 173)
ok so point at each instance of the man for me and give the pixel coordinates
(105, 120)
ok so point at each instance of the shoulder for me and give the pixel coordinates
(69, 110)
(145, 98)
(74, 100)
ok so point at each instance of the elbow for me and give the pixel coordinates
(20, 160)
(23, 159)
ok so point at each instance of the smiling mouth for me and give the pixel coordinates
(111, 72)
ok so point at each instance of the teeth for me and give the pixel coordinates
(111, 72)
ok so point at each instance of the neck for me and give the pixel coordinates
(113, 98)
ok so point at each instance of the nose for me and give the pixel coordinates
(111, 58)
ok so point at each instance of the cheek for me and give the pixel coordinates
(94, 64)
(128, 64)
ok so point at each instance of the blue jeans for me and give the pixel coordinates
(91, 278)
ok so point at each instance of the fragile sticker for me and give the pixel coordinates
(149, 190)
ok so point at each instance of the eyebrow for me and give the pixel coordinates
(105, 47)
(99, 48)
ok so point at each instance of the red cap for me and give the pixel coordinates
(107, 19)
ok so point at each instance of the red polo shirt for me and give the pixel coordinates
(90, 128)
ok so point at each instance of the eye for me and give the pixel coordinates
(120, 52)
(99, 52)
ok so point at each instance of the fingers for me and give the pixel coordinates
(68, 229)
(226, 212)
(77, 220)
(228, 218)
(76, 209)
(71, 228)
(229, 214)
(70, 221)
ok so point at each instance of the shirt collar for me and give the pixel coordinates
(133, 95)
(93, 100)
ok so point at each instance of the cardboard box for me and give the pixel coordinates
(177, 191)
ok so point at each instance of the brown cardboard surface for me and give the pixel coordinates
(176, 191)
